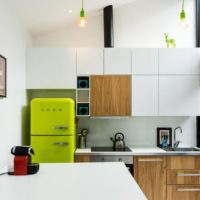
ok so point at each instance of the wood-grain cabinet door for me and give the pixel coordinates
(82, 158)
(150, 174)
(183, 192)
(110, 95)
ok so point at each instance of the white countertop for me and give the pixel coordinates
(134, 151)
(150, 150)
(79, 181)
(138, 151)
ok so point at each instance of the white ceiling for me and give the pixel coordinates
(40, 16)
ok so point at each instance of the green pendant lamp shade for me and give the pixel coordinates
(82, 16)
(183, 23)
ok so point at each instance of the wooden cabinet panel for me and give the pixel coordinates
(188, 177)
(110, 95)
(186, 192)
(150, 174)
(183, 162)
(82, 158)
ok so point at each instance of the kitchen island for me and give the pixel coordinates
(76, 181)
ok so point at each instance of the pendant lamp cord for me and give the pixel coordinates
(183, 2)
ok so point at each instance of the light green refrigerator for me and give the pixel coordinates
(53, 130)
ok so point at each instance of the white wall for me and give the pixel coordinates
(138, 131)
(74, 36)
(141, 23)
(13, 42)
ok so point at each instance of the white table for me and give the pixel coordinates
(77, 181)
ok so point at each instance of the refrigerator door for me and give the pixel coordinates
(53, 149)
(52, 116)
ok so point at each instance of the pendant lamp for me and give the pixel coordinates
(83, 21)
(183, 25)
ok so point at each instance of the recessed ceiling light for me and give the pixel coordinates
(69, 11)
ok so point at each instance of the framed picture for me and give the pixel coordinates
(164, 137)
(2, 76)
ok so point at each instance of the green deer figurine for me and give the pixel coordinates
(170, 42)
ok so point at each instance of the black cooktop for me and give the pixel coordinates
(108, 149)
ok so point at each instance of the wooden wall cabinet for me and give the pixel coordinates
(150, 174)
(110, 95)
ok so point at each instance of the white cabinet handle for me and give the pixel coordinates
(188, 189)
(185, 175)
(60, 143)
(62, 128)
(150, 160)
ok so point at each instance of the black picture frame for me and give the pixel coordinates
(164, 132)
(3, 74)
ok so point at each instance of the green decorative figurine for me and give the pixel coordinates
(170, 42)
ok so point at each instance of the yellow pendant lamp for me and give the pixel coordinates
(183, 25)
(83, 21)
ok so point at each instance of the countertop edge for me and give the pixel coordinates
(87, 152)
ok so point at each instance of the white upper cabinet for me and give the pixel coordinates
(145, 61)
(178, 95)
(145, 95)
(51, 68)
(89, 61)
(179, 61)
(117, 61)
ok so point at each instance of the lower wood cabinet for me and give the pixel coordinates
(165, 177)
(183, 177)
(150, 174)
(183, 192)
(189, 177)
(81, 158)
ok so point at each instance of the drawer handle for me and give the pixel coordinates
(61, 128)
(182, 174)
(150, 160)
(188, 189)
(60, 143)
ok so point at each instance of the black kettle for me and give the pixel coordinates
(118, 142)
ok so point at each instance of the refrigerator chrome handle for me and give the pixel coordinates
(62, 128)
(60, 143)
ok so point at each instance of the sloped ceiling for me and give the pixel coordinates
(40, 16)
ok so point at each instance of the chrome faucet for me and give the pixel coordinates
(176, 143)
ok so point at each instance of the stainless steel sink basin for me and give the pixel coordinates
(186, 149)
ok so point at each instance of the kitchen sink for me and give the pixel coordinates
(183, 149)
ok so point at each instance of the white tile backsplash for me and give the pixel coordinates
(138, 131)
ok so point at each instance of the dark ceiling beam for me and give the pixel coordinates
(197, 23)
(108, 26)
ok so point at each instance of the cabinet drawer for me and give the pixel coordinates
(183, 162)
(186, 192)
(189, 177)
(79, 159)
